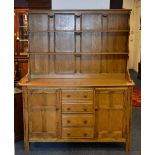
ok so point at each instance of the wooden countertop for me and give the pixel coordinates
(69, 82)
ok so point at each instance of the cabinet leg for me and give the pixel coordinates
(127, 146)
(26, 146)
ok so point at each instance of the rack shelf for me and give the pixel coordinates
(73, 53)
(79, 31)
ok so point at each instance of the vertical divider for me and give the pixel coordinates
(77, 42)
(48, 44)
(107, 56)
(101, 43)
(54, 43)
(81, 29)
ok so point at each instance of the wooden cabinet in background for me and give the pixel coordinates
(18, 115)
(21, 43)
(20, 68)
(78, 88)
(20, 64)
(21, 32)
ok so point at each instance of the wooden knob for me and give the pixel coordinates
(68, 109)
(68, 134)
(96, 109)
(85, 96)
(104, 15)
(85, 109)
(68, 121)
(85, 134)
(68, 96)
(85, 122)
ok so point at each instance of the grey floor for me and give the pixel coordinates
(88, 148)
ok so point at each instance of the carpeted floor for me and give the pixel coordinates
(90, 148)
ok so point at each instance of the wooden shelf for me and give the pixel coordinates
(73, 53)
(23, 40)
(79, 31)
(23, 26)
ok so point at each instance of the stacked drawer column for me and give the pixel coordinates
(78, 113)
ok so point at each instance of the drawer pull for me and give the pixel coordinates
(85, 109)
(57, 108)
(68, 121)
(68, 134)
(68, 109)
(96, 109)
(85, 134)
(68, 96)
(85, 96)
(85, 122)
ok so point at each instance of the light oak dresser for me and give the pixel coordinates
(78, 88)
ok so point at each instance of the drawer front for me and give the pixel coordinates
(73, 108)
(77, 94)
(77, 120)
(77, 132)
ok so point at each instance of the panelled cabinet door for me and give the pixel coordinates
(44, 115)
(110, 114)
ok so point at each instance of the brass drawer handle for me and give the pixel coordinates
(85, 109)
(85, 122)
(68, 96)
(104, 15)
(68, 109)
(96, 109)
(85, 96)
(68, 121)
(85, 134)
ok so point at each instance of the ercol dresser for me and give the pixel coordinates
(78, 88)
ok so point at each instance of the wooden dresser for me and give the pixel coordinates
(78, 88)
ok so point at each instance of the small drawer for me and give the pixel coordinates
(72, 108)
(77, 94)
(77, 132)
(77, 120)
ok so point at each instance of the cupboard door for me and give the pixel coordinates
(44, 115)
(110, 114)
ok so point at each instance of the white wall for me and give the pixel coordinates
(135, 32)
(80, 4)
